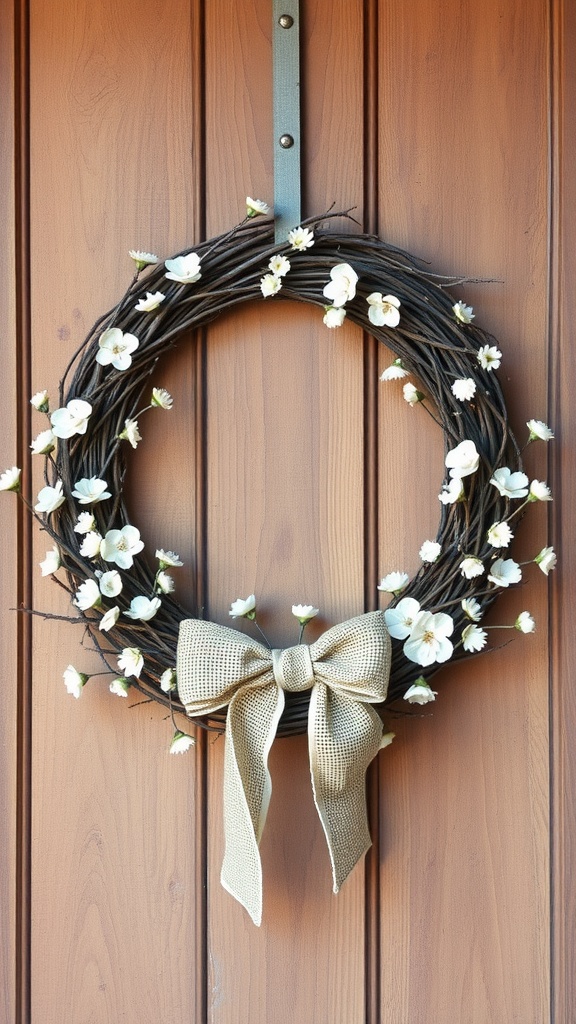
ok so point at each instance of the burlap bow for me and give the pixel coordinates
(346, 669)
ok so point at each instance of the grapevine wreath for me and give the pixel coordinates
(337, 688)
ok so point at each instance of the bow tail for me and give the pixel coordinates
(251, 724)
(343, 737)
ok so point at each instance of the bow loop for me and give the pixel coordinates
(347, 670)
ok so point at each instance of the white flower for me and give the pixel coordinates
(168, 558)
(464, 389)
(489, 357)
(470, 567)
(472, 608)
(243, 608)
(395, 371)
(546, 560)
(130, 433)
(184, 269)
(256, 208)
(90, 491)
(75, 681)
(301, 238)
(412, 395)
(85, 523)
(49, 498)
(500, 535)
(462, 460)
(420, 692)
(10, 480)
(342, 285)
(51, 562)
(111, 583)
(120, 687)
(430, 550)
(463, 313)
(539, 491)
(428, 641)
(473, 638)
(333, 317)
(90, 547)
(164, 582)
(270, 284)
(131, 661)
(452, 492)
(510, 485)
(109, 619)
(539, 431)
(400, 619)
(120, 546)
(525, 623)
(279, 265)
(150, 303)
(142, 259)
(143, 608)
(181, 742)
(386, 740)
(88, 595)
(40, 401)
(72, 419)
(44, 443)
(168, 680)
(116, 348)
(383, 311)
(504, 571)
(394, 582)
(304, 612)
(161, 398)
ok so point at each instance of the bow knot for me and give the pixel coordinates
(347, 671)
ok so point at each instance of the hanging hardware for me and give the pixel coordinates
(286, 90)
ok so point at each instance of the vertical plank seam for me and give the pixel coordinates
(22, 964)
(372, 936)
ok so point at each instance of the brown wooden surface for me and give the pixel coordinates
(147, 131)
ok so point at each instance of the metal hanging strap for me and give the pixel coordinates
(286, 99)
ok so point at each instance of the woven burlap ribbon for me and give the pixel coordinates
(347, 670)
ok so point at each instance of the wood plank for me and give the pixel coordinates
(464, 789)
(117, 868)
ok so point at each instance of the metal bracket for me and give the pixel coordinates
(286, 100)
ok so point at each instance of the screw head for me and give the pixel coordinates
(286, 21)
(286, 141)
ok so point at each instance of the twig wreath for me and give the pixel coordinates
(128, 606)
(337, 688)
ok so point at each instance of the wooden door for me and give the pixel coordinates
(285, 469)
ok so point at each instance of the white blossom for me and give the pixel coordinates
(473, 638)
(395, 371)
(510, 485)
(131, 662)
(49, 498)
(304, 612)
(120, 687)
(301, 238)
(116, 348)
(10, 480)
(130, 433)
(51, 562)
(184, 269)
(472, 608)
(75, 681)
(463, 460)
(256, 208)
(168, 680)
(430, 550)
(164, 582)
(539, 491)
(143, 608)
(539, 431)
(463, 313)
(489, 357)
(44, 443)
(168, 559)
(452, 491)
(342, 285)
(333, 317)
(420, 692)
(400, 619)
(40, 401)
(85, 523)
(111, 583)
(243, 608)
(279, 265)
(546, 560)
(150, 303)
(161, 398)
(411, 394)
(109, 619)
(464, 389)
(428, 642)
(120, 546)
(394, 582)
(500, 535)
(88, 595)
(270, 284)
(72, 419)
(386, 740)
(90, 546)
(142, 259)
(383, 310)
(181, 742)
(90, 491)
(504, 572)
(525, 623)
(470, 567)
